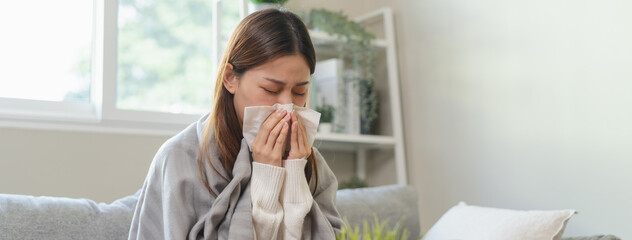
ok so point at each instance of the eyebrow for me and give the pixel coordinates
(283, 83)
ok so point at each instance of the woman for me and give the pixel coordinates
(204, 183)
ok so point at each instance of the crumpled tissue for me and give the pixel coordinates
(255, 115)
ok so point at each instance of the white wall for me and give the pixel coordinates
(517, 104)
(98, 166)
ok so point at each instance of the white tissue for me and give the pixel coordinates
(254, 117)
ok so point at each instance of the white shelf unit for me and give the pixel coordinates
(326, 44)
(348, 142)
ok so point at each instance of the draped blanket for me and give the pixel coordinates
(175, 204)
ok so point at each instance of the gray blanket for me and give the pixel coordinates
(175, 204)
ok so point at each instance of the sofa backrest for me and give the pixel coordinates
(30, 217)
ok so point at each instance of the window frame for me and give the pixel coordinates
(101, 113)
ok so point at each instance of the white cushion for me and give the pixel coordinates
(473, 222)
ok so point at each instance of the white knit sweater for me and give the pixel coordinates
(280, 199)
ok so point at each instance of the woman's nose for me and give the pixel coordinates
(286, 98)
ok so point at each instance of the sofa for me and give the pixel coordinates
(31, 217)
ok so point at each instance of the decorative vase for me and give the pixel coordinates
(324, 128)
(253, 7)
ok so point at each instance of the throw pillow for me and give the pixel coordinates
(474, 222)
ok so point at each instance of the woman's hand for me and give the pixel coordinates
(299, 145)
(268, 145)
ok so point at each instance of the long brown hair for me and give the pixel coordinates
(260, 37)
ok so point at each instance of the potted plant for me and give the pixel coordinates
(256, 5)
(326, 118)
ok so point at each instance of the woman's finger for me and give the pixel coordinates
(297, 140)
(271, 121)
(302, 135)
(271, 128)
(262, 135)
(277, 150)
(297, 126)
(307, 148)
(274, 134)
(294, 134)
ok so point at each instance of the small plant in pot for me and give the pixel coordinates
(326, 118)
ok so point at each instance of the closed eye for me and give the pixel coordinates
(269, 91)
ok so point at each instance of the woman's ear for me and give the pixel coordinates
(230, 80)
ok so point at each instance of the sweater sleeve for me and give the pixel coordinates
(267, 211)
(297, 198)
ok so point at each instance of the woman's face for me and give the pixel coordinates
(283, 80)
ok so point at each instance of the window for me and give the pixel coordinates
(46, 55)
(127, 64)
(164, 55)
